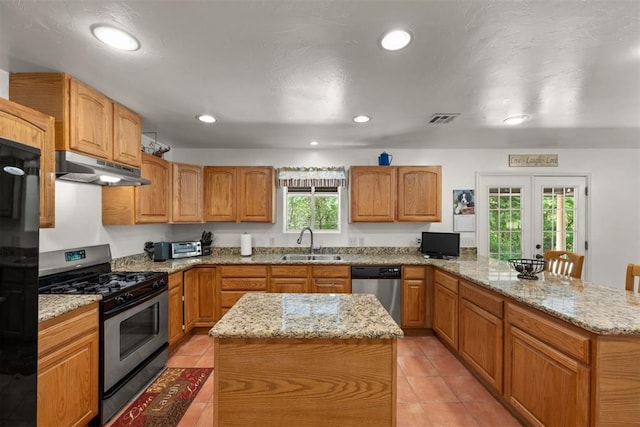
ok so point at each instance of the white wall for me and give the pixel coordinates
(4, 84)
(79, 223)
(614, 202)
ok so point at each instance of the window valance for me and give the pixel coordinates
(312, 177)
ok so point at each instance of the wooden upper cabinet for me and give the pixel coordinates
(144, 204)
(187, 193)
(90, 121)
(373, 190)
(30, 127)
(240, 194)
(85, 119)
(419, 193)
(153, 201)
(127, 131)
(220, 193)
(256, 193)
(395, 193)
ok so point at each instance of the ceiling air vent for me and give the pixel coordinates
(442, 118)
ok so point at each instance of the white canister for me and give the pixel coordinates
(245, 244)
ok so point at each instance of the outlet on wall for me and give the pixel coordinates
(467, 242)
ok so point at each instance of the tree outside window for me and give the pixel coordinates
(315, 207)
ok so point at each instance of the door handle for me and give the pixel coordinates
(538, 256)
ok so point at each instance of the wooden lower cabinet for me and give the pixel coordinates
(176, 290)
(68, 348)
(199, 283)
(480, 334)
(236, 280)
(445, 308)
(289, 278)
(547, 378)
(331, 279)
(414, 297)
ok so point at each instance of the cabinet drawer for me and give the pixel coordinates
(482, 298)
(175, 280)
(243, 271)
(68, 329)
(331, 271)
(249, 284)
(229, 298)
(554, 333)
(289, 271)
(413, 273)
(446, 280)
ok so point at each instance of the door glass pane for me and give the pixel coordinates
(558, 218)
(505, 227)
(138, 329)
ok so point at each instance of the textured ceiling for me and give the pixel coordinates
(278, 74)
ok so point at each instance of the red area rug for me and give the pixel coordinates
(166, 400)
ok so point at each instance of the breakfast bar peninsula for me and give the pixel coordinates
(305, 360)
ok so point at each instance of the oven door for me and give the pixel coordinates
(133, 335)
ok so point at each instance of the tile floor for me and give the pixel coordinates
(434, 388)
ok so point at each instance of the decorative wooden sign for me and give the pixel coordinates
(533, 160)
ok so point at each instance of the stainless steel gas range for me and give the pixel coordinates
(133, 319)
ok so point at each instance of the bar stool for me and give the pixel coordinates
(633, 271)
(564, 263)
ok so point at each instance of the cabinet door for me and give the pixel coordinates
(373, 190)
(90, 121)
(187, 193)
(419, 193)
(255, 194)
(413, 303)
(481, 342)
(544, 385)
(30, 127)
(206, 278)
(68, 368)
(152, 201)
(331, 285)
(220, 193)
(445, 314)
(288, 285)
(190, 303)
(175, 308)
(127, 146)
(289, 278)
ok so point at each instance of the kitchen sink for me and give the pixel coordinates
(309, 257)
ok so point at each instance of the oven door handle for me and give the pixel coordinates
(120, 308)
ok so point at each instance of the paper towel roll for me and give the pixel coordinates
(245, 244)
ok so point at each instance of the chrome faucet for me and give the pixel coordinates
(300, 239)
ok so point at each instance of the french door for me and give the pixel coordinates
(521, 216)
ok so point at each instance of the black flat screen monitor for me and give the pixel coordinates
(440, 245)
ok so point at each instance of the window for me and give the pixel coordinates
(314, 207)
(505, 226)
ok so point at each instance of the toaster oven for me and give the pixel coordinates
(186, 249)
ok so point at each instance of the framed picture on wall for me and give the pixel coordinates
(464, 205)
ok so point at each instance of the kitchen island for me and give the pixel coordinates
(305, 359)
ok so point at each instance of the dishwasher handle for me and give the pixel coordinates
(376, 272)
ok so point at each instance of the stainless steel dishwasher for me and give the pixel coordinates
(383, 282)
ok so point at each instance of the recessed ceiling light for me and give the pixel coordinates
(206, 118)
(313, 143)
(361, 119)
(515, 120)
(115, 38)
(395, 40)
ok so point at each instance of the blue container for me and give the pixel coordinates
(385, 159)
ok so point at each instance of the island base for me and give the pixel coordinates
(304, 382)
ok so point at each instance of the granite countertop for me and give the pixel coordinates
(50, 306)
(594, 307)
(339, 316)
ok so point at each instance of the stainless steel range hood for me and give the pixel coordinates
(76, 167)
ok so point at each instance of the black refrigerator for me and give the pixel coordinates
(19, 239)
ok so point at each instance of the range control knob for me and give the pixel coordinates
(119, 300)
(128, 296)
